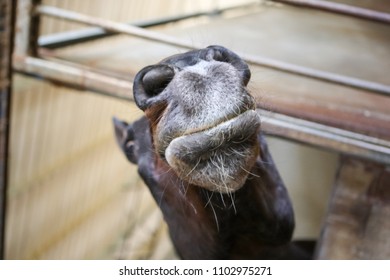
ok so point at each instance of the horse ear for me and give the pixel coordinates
(124, 135)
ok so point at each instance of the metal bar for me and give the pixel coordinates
(326, 137)
(78, 77)
(112, 26)
(7, 17)
(318, 74)
(272, 123)
(79, 36)
(341, 9)
(326, 128)
(255, 60)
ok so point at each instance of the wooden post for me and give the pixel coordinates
(357, 225)
(7, 12)
(27, 28)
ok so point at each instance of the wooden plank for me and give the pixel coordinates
(27, 28)
(357, 225)
(7, 12)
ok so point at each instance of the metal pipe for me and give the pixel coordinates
(318, 74)
(255, 60)
(319, 135)
(78, 77)
(78, 36)
(113, 26)
(328, 129)
(341, 9)
(323, 136)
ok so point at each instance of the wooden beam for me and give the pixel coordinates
(357, 225)
(27, 28)
(7, 12)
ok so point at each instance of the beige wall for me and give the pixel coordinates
(71, 191)
(308, 174)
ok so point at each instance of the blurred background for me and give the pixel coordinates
(72, 194)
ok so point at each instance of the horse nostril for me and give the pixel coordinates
(157, 79)
(151, 81)
(222, 54)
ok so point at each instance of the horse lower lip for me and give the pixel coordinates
(229, 132)
(215, 158)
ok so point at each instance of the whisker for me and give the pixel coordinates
(209, 198)
(232, 198)
(250, 173)
(215, 216)
(196, 165)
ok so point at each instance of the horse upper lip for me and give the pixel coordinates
(222, 123)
